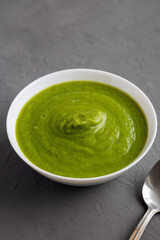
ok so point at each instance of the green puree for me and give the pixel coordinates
(81, 129)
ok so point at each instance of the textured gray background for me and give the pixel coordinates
(38, 37)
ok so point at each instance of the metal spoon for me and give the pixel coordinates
(151, 196)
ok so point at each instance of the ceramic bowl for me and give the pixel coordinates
(75, 75)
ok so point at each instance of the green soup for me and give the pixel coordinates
(81, 129)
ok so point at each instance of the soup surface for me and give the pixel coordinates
(81, 129)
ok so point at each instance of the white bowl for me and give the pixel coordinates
(74, 75)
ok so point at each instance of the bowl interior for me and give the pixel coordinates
(74, 75)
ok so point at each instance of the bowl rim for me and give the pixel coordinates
(80, 180)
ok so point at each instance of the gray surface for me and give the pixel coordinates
(38, 37)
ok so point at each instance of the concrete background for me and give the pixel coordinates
(38, 37)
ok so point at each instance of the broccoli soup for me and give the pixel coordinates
(81, 129)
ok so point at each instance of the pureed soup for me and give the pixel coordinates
(81, 129)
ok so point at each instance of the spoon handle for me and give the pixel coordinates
(136, 235)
